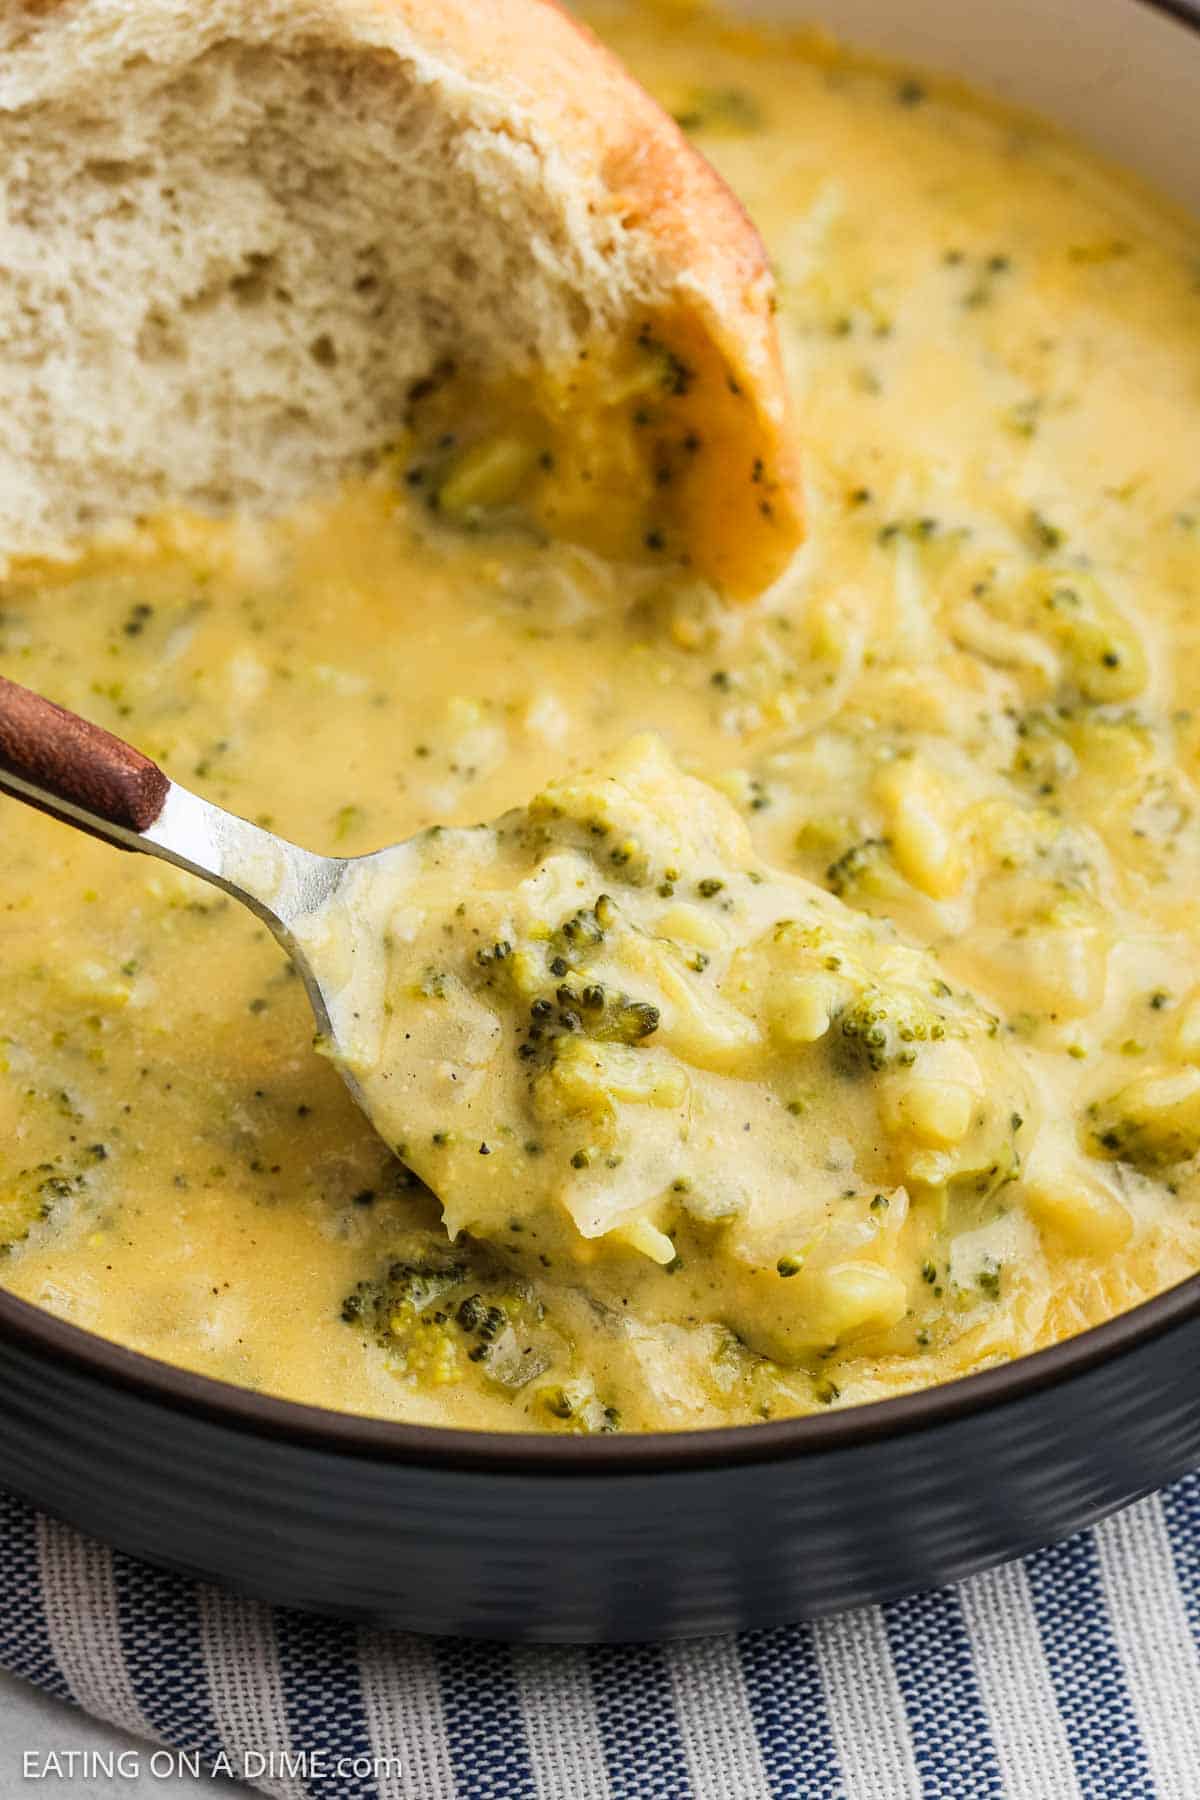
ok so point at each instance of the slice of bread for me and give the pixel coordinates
(246, 243)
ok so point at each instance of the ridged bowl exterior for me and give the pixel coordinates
(556, 1539)
(577, 1540)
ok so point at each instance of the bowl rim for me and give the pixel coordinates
(358, 1435)
(220, 1403)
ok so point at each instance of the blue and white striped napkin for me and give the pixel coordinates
(1074, 1675)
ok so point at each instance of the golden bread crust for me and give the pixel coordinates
(710, 267)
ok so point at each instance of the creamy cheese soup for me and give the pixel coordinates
(819, 1017)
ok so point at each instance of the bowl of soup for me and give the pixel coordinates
(883, 885)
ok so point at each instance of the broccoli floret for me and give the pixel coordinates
(33, 1196)
(882, 1028)
(865, 873)
(437, 1314)
(1153, 1122)
(563, 1004)
(589, 1010)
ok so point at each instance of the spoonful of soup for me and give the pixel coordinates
(605, 1035)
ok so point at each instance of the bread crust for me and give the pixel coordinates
(576, 94)
(709, 261)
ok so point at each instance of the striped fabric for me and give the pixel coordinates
(1072, 1676)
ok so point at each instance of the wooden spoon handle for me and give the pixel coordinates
(49, 756)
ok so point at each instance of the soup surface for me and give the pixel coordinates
(900, 1078)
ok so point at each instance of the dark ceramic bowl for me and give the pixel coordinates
(563, 1539)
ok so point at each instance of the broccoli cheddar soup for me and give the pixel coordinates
(767, 1007)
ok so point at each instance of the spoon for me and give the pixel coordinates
(78, 772)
